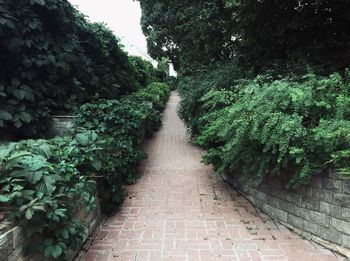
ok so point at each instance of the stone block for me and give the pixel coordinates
(322, 195)
(341, 199)
(330, 209)
(333, 184)
(258, 194)
(331, 235)
(275, 212)
(312, 227)
(61, 125)
(346, 186)
(18, 255)
(310, 203)
(341, 176)
(257, 203)
(346, 241)
(341, 225)
(295, 221)
(266, 188)
(18, 237)
(345, 214)
(305, 191)
(273, 201)
(313, 216)
(293, 197)
(6, 244)
(288, 207)
(284, 195)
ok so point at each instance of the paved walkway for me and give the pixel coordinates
(179, 210)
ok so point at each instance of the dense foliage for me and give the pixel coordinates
(264, 84)
(52, 60)
(44, 182)
(290, 126)
(122, 125)
(257, 34)
(146, 73)
(297, 125)
(184, 31)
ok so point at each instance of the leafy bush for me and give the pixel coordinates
(192, 88)
(146, 73)
(295, 125)
(53, 60)
(153, 100)
(121, 124)
(173, 82)
(157, 93)
(43, 183)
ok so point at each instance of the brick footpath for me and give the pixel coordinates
(180, 210)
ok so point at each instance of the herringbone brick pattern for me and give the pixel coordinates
(180, 210)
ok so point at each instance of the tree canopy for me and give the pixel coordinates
(256, 33)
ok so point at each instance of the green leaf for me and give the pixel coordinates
(25, 117)
(83, 138)
(28, 194)
(39, 2)
(4, 152)
(20, 173)
(45, 150)
(96, 164)
(29, 213)
(4, 115)
(53, 250)
(46, 185)
(35, 177)
(4, 199)
(18, 124)
(7, 22)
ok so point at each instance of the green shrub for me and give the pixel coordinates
(298, 126)
(53, 60)
(158, 94)
(192, 88)
(122, 124)
(43, 183)
(146, 73)
(152, 100)
(173, 82)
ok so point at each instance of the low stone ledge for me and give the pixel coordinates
(319, 211)
(61, 125)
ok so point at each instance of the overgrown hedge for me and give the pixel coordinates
(53, 60)
(42, 182)
(122, 124)
(268, 126)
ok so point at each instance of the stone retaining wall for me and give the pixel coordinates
(319, 211)
(12, 238)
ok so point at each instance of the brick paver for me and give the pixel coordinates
(179, 210)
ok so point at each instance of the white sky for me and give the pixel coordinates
(122, 16)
